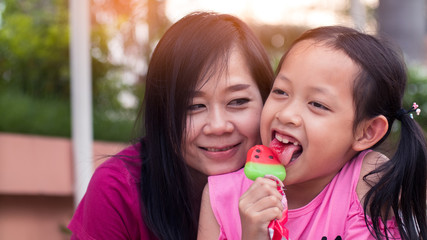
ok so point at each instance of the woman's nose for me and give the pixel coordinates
(218, 122)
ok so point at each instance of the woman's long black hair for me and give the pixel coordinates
(378, 90)
(192, 49)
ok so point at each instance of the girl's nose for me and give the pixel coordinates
(290, 115)
(218, 123)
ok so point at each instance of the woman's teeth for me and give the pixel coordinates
(219, 149)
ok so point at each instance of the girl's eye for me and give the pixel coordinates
(319, 105)
(196, 107)
(239, 101)
(279, 92)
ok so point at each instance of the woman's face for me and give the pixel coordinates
(223, 120)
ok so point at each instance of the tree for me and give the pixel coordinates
(34, 53)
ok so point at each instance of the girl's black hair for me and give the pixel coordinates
(378, 90)
(192, 50)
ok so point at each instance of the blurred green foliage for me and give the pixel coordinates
(52, 117)
(35, 73)
(416, 91)
(34, 49)
(24, 114)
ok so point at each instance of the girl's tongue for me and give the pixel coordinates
(285, 152)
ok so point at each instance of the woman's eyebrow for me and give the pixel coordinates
(238, 87)
(232, 88)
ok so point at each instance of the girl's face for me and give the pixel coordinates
(308, 116)
(223, 120)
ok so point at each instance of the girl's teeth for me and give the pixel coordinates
(285, 141)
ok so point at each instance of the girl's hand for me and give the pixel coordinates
(260, 204)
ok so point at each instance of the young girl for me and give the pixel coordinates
(336, 96)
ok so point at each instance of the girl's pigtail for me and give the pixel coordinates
(412, 154)
(402, 185)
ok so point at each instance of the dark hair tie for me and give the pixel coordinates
(402, 112)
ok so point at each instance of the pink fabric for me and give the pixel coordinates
(335, 212)
(110, 208)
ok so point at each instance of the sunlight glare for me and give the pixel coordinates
(175, 9)
(288, 12)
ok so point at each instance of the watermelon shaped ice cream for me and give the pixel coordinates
(261, 161)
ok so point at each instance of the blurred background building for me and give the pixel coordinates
(37, 163)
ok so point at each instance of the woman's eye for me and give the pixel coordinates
(279, 92)
(196, 107)
(319, 105)
(239, 102)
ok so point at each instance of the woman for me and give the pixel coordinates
(206, 83)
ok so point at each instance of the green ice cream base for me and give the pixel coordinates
(255, 170)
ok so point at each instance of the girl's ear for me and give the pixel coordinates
(370, 132)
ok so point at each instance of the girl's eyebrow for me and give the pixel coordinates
(320, 90)
(283, 77)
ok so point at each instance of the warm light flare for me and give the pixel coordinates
(310, 13)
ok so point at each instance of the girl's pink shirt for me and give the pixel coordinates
(111, 208)
(335, 212)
